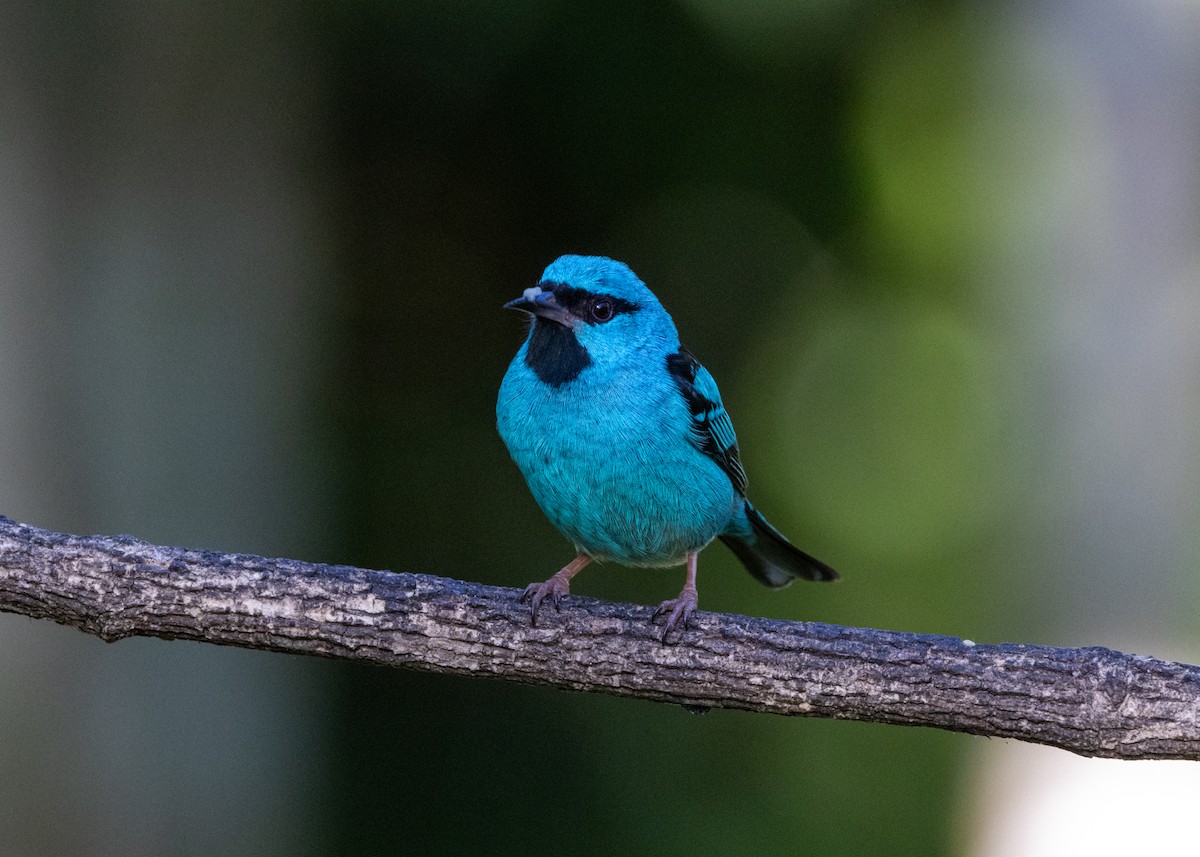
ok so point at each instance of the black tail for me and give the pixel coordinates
(771, 558)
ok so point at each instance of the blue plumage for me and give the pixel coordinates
(623, 440)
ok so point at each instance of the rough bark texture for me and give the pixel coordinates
(1091, 701)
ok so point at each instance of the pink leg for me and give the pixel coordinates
(681, 608)
(554, 588)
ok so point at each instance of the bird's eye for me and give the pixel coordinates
(602, 310)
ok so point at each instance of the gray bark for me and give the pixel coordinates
(1091, 701)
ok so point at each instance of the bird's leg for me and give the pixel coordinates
(554, 588)
(679, 609)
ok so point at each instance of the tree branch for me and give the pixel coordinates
(1093, 701)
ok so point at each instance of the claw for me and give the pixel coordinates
(556, 587)
(679, 609)
(535, 593)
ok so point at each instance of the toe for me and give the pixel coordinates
(678, 611)
(535, 593)
(677, 620)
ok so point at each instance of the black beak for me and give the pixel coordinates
(542, 303)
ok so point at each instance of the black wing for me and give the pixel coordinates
(712, 429)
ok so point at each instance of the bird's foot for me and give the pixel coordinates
(677, 610)
(554, 588)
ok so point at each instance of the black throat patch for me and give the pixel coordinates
(554, 353)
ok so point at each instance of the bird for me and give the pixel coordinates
(624, 442)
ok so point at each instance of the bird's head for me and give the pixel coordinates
(591, 310)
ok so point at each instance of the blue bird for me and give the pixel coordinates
(622, 438)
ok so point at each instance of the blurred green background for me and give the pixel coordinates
(942, 257)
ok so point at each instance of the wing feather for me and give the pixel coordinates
(712, 428)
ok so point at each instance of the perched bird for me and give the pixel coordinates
(622, 438)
